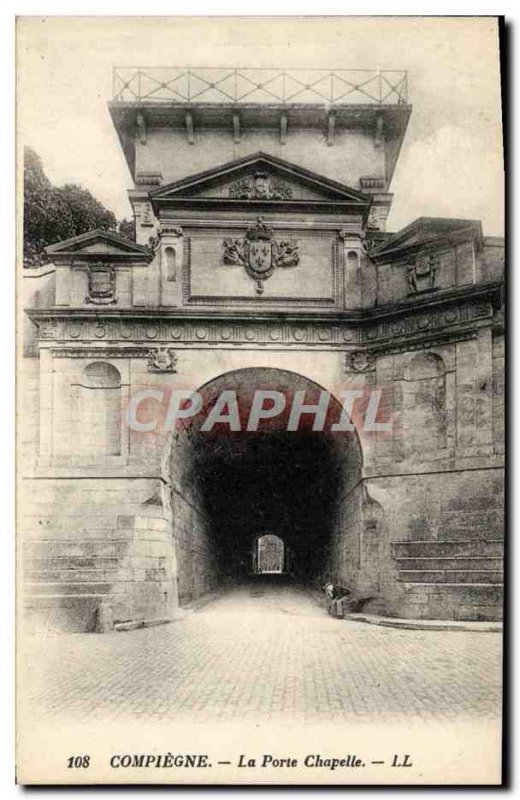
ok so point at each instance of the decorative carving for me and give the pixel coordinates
(101, 284)
(146, 215)
(163, 359)
(48, 330)
(373, 223)
(396, 332)
(100, 330)
(235, 251)
(260, 187)
(260, 254)
(370, 182)
(286, 253)
(368, 245)
(148, 178)
(154, 242)
(331, 297)
(75, 330)
(171, 230)
(422, 272)
(359, 361)
(350, 234)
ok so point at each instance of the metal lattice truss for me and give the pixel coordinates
(232, 85)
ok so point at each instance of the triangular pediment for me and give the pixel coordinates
(99, 245)
(427, 231)
(260, 178)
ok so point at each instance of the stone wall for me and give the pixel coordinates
(168, 152)
(414, 315)
(444, 541)
(361, 557)
(499, 366)
(423, 546)
(198, 568)
(435, 478)
(88, 541)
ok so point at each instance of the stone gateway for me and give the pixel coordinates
(262, 264)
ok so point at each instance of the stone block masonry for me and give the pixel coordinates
(262, 261)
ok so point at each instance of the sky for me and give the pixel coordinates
(451, 160)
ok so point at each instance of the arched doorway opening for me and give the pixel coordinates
(229, 484)
(269, 557)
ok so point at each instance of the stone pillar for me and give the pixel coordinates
(46, 406)
(63, 284)
(149, 566)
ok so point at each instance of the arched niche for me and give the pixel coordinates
(97, 419)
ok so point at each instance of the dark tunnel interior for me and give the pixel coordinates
(276, 482)
(250, 483)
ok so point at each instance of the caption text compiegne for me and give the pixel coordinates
(243, 761)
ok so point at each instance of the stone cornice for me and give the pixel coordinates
(110, 248)
(433, 300)
(242, 219)
(421, 341)
(197, 183)
(104, 333)
(208, 204)
(191, 192)
(426, 234)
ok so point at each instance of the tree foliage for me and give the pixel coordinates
(126, 228)
(53, 213)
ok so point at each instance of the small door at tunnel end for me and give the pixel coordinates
(270, 554)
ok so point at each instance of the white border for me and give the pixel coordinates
(8, 12)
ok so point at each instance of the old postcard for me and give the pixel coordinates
(260, 400)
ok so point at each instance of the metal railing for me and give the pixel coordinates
(235, 85)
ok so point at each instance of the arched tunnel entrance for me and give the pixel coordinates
(289, 475)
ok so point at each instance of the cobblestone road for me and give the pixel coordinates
(266, 653)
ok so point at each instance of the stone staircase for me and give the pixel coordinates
(65, 581)
(451, 580)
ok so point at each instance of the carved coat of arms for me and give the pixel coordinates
(422, 273)
(163, 359)
(259, 253)
(260, 186)
(359, 361)
(101, 284)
